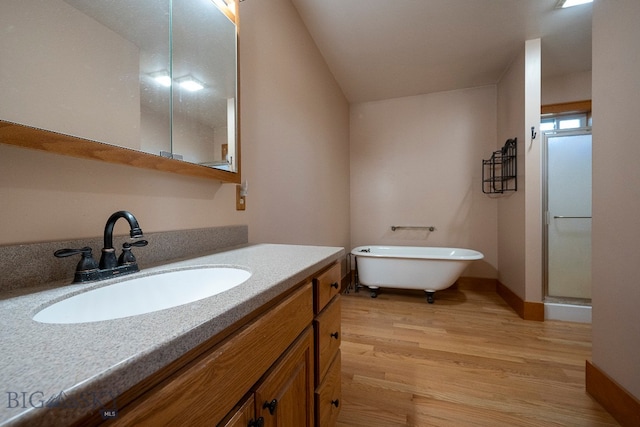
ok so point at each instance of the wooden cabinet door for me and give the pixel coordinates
(285, 397)
(243, 416)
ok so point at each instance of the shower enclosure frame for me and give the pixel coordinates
(546, 220)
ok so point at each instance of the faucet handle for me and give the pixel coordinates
(63, 253)
(86, 265)
(126, 257)
(86, 262)
(137, 244)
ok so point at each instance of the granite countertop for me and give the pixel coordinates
(54, 374)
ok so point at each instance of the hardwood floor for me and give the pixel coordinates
(467, 360)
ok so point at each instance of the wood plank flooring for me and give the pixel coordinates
(467, 360)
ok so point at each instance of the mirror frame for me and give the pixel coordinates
(53, 142)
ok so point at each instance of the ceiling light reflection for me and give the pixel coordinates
(162, 77)
(190, 83)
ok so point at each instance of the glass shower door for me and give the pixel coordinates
(568, 216)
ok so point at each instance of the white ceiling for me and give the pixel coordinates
(381, 49)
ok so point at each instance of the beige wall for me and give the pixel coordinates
(533, 172)
(511, 208)
(519, 213)
(295, 131)
(295, 157)
(417, 161)
(616, 192)
(51, 197)
(566, 88)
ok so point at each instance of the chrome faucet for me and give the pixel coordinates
(110, 266)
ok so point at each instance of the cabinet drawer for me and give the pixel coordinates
(328, 336)
(325, 287)
(328, 395)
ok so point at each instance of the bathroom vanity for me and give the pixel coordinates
(263, 353)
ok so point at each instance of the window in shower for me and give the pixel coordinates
(564, 122)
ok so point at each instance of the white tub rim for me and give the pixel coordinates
(441, 253)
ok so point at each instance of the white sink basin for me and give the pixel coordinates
(143, 295)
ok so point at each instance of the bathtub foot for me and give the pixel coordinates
(430, 297)
(374, 291)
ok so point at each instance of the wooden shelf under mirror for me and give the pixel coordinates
(52, 142)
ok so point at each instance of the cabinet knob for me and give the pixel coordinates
(271, 406)
(334, 335)
(335, 403)
(256, 423)
(334, 285)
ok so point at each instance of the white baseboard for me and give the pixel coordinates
(567, 312)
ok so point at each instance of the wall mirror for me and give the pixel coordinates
(150, 83)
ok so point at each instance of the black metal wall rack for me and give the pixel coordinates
(500, 172)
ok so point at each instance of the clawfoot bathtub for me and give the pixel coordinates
(411, 267)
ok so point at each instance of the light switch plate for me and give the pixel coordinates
(241, 201)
